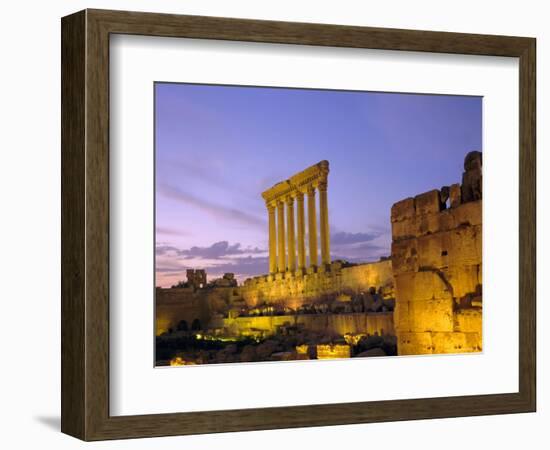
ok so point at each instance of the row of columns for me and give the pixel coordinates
(283, 241)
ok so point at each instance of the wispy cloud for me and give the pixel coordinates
(218, 211)
(215, 251)
(360, 247)
(171, 267)
(221, 257)
(170, 231)
(344, 238)
(242, 267)
(209, 174)
(364, 252)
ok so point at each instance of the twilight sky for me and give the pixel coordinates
(219, 147)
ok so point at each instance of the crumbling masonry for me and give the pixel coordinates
(436, 259)
(434, 273)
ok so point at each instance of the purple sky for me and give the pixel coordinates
(219, 147)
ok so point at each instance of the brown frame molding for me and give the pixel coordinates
(85, 224)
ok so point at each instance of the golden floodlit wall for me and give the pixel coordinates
(294, 290)
(339, 324)
(176, 304)
(172, 306)
(435, 275)
(436, 255)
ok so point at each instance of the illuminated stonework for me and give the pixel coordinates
(340, 324)
(333, 351)
(283, 239)
(295, 290)
(337, 309)
(437, 266)
(179, 361)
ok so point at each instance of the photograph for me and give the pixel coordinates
(312, 224)
(274, 225)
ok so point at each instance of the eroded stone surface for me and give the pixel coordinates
(472, 178)
(437, 266)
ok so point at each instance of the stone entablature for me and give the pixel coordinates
(313, 176)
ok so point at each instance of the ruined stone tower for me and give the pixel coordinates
(437, 266)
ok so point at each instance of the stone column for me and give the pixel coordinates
(323, 213)
(290, 230)
(301, 232)
(312, 229)
(281, 236)
(272, 239)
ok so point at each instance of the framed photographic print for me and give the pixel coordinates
(271, 224)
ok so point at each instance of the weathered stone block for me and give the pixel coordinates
(401, 317)
(448, 342)
(468, 321)
(464, 279)
(438, 342)
(456, 342)
(431, 315)
(474, 342)
(333, 351)
(446, 220)
(414, 343)
(466, 246)
(420, 286)
(402, 210)
(404, 229)
(455, 195)
(469, 213)
(472, 184)
(431, 251)
(381, 324)
(404, 256)
(426, 224)
(428, 202)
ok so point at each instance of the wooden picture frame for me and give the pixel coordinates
(85, 224)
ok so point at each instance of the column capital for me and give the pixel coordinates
(322, 186)
(289, 200)
(310, 190)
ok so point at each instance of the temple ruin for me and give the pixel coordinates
(425, 298)
(283, 239)
(437, 267)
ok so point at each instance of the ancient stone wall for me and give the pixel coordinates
(437, 267)
(292, 291)
(188, 304)
(295, 290)
(338, 324)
